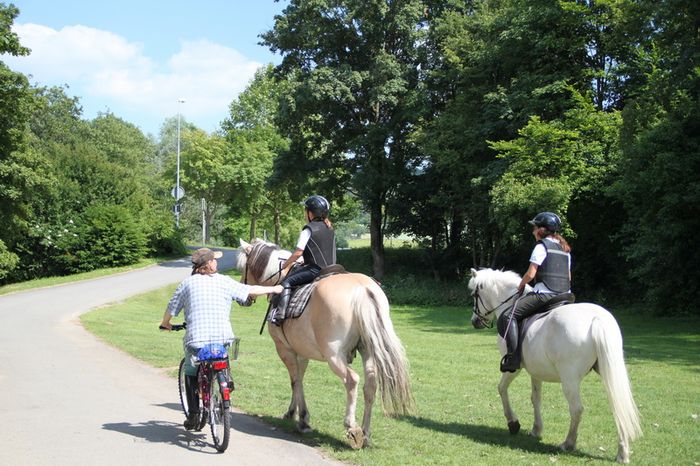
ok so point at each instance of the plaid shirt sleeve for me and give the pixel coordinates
(239, 291)
(178, 301)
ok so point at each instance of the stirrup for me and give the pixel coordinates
(509, 363)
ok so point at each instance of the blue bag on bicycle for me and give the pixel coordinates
(212, 351)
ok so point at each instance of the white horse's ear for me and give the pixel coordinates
(245, 246)
(473, 272)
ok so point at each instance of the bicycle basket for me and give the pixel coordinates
(212, 351)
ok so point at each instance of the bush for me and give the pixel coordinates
(107, 236)
(8, 261)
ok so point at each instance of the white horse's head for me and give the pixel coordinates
(493, 291)
(261, 262)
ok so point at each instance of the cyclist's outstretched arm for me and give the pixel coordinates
(166, 321)
(257, 290)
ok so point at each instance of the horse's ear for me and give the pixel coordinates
(473, 272)
(245, 246)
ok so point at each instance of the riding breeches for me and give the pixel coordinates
(528, 305)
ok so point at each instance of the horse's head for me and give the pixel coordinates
(261, 262)
(493, 291)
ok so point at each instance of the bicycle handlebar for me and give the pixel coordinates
(174, 327)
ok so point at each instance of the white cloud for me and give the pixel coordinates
(108, 72)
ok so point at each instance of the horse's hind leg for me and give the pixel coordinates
(513, 423)
(350, 379)
(370, 391)
(572, 392)
(536, 398)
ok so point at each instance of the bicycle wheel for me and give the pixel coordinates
(219, 417)
(181, 387)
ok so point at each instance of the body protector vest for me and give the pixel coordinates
(554, 271)
(320, 249)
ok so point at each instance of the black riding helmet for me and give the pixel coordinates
(548, 220)
(318, 206)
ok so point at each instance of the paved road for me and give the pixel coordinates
(68, 399)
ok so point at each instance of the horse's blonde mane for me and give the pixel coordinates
(261, 260)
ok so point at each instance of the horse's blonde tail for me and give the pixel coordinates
(383, 347)
(611, 366)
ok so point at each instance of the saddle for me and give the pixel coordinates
(557, 301)
(301, 295)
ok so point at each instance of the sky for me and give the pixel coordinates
(137, 59)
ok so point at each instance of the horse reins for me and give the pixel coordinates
(482, 316)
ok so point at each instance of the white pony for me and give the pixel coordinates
(562, 347)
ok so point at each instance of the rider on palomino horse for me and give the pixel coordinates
(316, 244)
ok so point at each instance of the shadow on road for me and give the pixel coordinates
(164, 432)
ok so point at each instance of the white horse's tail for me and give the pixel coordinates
(382, 345)
(611, 366)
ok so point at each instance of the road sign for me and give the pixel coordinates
(180, 192)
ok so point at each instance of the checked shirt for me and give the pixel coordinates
(206, 301)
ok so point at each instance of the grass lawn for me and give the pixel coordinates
(454, 373)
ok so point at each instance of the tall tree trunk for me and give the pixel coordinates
(376, 236)
(278, 225)
(253, 223)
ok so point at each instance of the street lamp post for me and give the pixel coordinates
(177, 172)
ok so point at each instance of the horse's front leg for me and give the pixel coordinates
(350, 379)
(296, 366)
(506, 379)
(536, 398)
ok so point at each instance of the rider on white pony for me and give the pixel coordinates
(550, 267)
(316, 244)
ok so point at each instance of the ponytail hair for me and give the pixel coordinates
(562, 241)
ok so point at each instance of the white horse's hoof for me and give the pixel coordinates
(566, 446)
(356, 437)
(514, 427)
(535, 433)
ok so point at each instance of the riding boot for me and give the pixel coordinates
(511, 361)
(191, 386)
(278, 314)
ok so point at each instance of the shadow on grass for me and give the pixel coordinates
(488, 435)
(288, 429)
(664, 340)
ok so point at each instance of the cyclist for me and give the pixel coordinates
(206, 298)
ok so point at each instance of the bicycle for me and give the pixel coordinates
(215, 385)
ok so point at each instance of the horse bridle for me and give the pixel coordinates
(483, 316)
(278, 273)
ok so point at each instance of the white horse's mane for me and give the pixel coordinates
(498, 280)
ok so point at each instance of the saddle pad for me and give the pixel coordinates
(299, 300)
(300, 296)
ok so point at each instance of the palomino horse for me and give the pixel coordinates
(562, 347)
(346, 313)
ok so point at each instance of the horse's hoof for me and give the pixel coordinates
(304, 428)
(514, 427)
(288, 415)
(566, 446)
(356, 438)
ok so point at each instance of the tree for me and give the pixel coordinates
(660, 182)
(356, 94)
(256, 143)
(21, 170)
